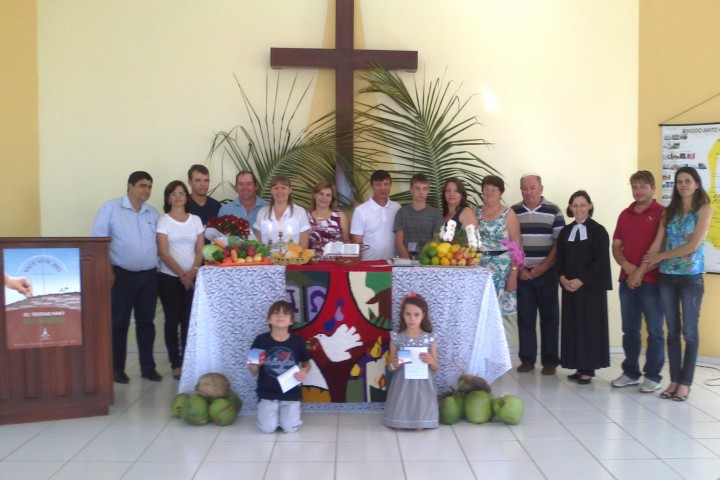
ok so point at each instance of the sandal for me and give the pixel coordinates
(681, 398)
(669, 392)
(574, 377)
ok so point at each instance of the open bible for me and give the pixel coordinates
(341, 249)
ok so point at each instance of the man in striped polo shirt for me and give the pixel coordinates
(540, 225)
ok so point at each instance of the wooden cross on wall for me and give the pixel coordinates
(345, 60)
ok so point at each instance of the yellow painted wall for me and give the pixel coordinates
(680, 68)
(19, 162)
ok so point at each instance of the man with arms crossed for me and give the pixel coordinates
(130, 222)
(639, 291)
(372, 222)
(540, 224)
(248, 203)
(200, 203)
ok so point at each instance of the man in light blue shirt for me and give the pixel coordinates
(130, 222)
(248, 203)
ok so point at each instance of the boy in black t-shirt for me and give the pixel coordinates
(283, 351)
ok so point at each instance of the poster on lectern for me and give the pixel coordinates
(697, 146)
(42, 297)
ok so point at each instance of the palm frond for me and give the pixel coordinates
(269, 145)
(425, 132)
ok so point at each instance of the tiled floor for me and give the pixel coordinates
(569, 431)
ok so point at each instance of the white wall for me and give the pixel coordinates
(143, 85)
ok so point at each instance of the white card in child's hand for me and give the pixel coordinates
(417, 370)
(287, 379)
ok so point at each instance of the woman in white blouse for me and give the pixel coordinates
(180, 241)
(282, 218)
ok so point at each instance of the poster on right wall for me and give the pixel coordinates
(697, 146)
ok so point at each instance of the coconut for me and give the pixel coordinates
(195, 410)
(478, 406)
(178, 403)
(212, 386)
(222, 412)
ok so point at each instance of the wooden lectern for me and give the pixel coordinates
(70, 374)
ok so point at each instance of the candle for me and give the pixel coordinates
(270, 230)
(289, 231)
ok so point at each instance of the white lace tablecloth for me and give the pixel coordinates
(230, 308)
(465, 317)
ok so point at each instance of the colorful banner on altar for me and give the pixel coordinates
(345, 318)
(696, 146)
(42, 297)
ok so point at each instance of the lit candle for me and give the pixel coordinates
(270, 230)
(289, 231)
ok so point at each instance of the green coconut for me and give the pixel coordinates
(509, 409)
(478, 406)
(222, 412)
(235, 400)
(178, 403)
(195, 410)
(450, 410)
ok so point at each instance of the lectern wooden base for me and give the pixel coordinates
(57, 382)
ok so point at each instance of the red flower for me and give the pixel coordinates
(230, 225)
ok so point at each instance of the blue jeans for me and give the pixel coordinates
(634, 303)
(685, 290)
(532, 295)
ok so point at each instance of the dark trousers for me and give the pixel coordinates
(134, 293)
(176, 302)
(539, 294)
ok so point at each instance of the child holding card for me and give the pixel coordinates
(280, 372)
(412, 398)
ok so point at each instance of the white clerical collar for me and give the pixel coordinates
(581, 228)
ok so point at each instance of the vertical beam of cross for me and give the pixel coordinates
(345, 60)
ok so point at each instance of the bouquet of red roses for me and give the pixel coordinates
(230, 225)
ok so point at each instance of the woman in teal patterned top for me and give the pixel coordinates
(496, 223)
(682, 232)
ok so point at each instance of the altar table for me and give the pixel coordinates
(230, 307)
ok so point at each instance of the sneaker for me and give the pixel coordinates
(625, 381)
(648, 386)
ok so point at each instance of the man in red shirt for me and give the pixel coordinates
(639, 292)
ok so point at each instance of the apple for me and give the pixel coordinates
(462, 262)
(257, 258)
(470, 262)
(458, 255)
(453, 261)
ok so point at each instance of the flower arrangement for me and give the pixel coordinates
(230, 225)
(516, 252)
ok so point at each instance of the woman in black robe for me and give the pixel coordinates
(583, 266)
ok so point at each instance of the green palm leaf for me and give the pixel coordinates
(268, 145)
(425, 132)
